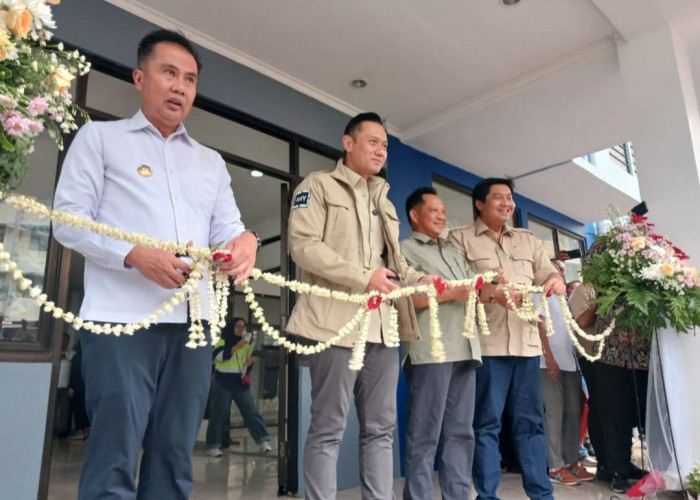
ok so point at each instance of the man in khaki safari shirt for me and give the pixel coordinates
(510, 355)
(343, 234)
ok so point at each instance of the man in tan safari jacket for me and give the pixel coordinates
(343, 234)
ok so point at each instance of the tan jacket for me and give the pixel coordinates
(522, 257)
(326, 242)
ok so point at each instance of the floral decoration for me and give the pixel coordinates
(643, 279)
(35, 79)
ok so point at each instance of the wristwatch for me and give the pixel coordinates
(257, 237)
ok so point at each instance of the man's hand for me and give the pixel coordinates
(243, 249)
(458, 293)
(381, 281)
(554, 284)
(552, 366)
(159, 266)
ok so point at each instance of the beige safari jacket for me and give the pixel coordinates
(522, 257)
(326, 242)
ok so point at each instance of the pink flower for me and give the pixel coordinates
(631, 253)
(14, 124)
(37, 106)
(36, 126)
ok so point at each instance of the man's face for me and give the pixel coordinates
(429, 218)
(498, 206)
(167, 82)
(365, 150)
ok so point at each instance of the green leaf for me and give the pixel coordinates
(5, 142)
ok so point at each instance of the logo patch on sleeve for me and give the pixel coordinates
(301, 199)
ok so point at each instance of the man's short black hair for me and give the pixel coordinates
(148, 42)
(356, 122)
(481, 190)
(415, 199)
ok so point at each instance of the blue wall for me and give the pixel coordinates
(24, 396)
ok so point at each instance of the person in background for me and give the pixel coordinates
(76, 393)
(232, 365)
(561, 393)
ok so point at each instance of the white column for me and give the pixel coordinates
(665, 125)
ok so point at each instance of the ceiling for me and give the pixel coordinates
(493, 89)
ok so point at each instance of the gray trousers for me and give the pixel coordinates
(332, 387)
(440, 412)
(562, 417)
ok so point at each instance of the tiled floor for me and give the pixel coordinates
(244, 473)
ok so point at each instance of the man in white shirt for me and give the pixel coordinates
(147, 175)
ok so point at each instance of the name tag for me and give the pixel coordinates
(301, 199)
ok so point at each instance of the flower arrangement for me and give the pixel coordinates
(35, 79)
(643, 279)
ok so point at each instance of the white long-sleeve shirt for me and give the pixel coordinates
(187, 197)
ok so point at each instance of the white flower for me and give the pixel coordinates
(43, 18)
(652, 272)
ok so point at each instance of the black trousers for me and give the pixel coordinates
(620, 400)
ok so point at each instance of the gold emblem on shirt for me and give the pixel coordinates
(144, 170)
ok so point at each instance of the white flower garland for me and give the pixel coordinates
(218, 291)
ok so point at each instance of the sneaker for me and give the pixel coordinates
(602, 474)
(580, 473)
(265, 447)
(637, 473)
(588, 461)
(563, 476)
(619, 484)
(214, 452)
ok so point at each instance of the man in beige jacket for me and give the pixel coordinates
(343, 234)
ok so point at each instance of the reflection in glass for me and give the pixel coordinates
(26, 238)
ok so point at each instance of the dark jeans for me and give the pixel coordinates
(220, 410)
(516, 380)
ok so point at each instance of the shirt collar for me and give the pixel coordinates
(425, 239)
(352, 178)
(140, 122)
(481, 227)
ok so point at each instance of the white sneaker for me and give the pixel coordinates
(265, 447)
(214, 452)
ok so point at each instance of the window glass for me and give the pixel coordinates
(545, 234)
(569, 243)
(310, 161)
(458, 204)
(111, 95)
(26, 238)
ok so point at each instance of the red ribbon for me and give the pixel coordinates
(222, 256)
(374, 302)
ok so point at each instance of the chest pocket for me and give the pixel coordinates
(522, 262)
(340, 219)
(482, 261)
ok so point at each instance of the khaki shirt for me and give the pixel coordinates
(523, 258)
(440, 258)
(328, 239)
